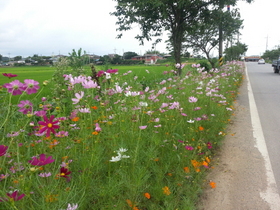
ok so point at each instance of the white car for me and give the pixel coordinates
(261, 61)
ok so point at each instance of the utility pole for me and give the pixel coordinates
(221, 36)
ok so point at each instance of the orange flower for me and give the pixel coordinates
(64, 158)
(169, 174)
(156, 159)
(147, 195)
(200, 128)
(94, 107)
(53, 143)
(131, 204)
(75, 119)
(208, 159)
(166, 190)
(186, 169)
(205, 164)
(94, 133)
(212, 184)
(51, 198)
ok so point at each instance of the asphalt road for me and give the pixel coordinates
(266, 90)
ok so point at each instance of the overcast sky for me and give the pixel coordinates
(52, 27)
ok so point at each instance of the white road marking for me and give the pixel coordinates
(271, 195)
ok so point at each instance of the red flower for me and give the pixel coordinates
(3, 150)
(9, 75)
(64, 172)
(49, 125)
(41, 161)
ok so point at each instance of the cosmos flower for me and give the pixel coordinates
(49, 125)
(143, 127)
(45, 174)
(78, 97)
(10, 75)
(15, 87)
(31, 86)
(72, 207)
(25, 107)
(15, 195)
(41, 161)
(192, 99)
(97, 127)
(64, 172)
(3, 150)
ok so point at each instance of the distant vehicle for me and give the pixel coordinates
(276, 65)
(261, 61)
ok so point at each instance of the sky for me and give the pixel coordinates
(52, 27)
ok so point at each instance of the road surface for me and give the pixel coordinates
(247, 168)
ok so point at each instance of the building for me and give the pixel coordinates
(254, 58)
(149, 58)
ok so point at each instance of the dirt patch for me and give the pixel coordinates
(239, 171)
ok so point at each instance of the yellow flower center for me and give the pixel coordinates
(62, 174)
(50, 125)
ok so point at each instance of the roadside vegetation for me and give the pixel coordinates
(111, 138)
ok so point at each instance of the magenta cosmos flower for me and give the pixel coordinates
(15, 195)
(31, 86)
(3, 150)
(9, 75)
(41, 160)
(25, 107)
(15, 87)
(49, 125)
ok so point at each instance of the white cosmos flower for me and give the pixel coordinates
(116, 159)
(190, 121)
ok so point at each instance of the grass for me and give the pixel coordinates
(143, 140)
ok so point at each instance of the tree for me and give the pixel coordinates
(76, 61)
(157, 16)
(1, 57)
(129, 55)
(272, 54)
(17, 58)
(234, 52)
(204, 37)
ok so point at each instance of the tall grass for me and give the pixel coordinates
(143, 140)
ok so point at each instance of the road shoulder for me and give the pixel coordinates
(239, 170)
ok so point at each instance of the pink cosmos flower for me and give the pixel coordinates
(78, 97)
(97, 127)
(9, 75)
(31, 86)
(40, 113)
(62, 134)
(41, 161)
(192, 99)
(49, 125)
(143, 127)
(15, 87)
(25, 107)
(45, 174)
(3, 150)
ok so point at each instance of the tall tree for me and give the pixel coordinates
(156, 16)
(129, 55)
(204, 37)
(234, 52)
